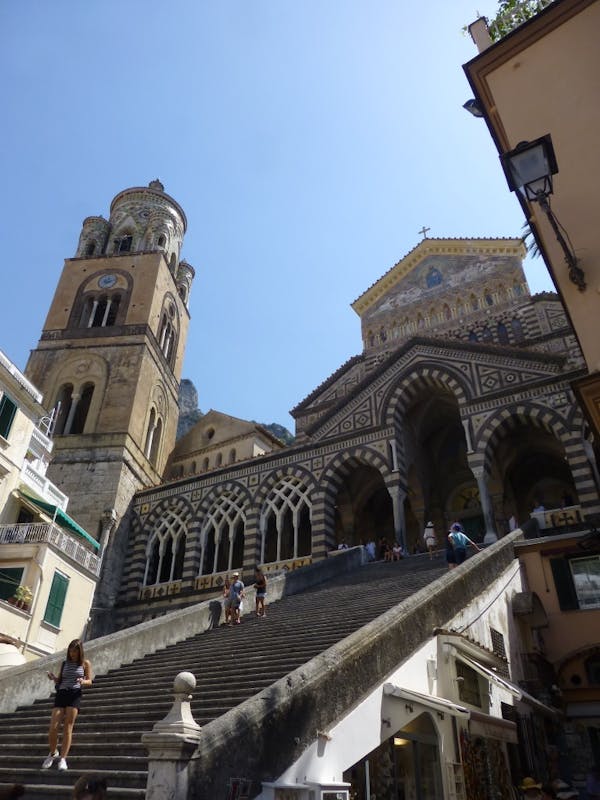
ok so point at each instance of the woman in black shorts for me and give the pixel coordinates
(74, 673)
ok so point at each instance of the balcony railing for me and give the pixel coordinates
(40, 444)
(48, 533)
(41, 485)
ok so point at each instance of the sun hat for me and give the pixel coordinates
(529, 783)
(235, 574)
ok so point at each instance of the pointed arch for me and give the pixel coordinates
(222, 533)
(285, 500)
(165, 551)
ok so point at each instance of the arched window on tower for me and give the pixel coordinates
(474, 302)
(502, 333)
(473, 336)
(486, 335)
(81, 410)
(156, 441)
(205, 463)
(100, 312)
(218, 460)
(446, 311)
(153, 435)
(73, 408)
(123, 244)
(167, 337)
(162, 240)
(517, 289)
(232, 456)
(63, 403)
(90, 248)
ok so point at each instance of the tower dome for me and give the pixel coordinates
(93, 237)
(147, 219)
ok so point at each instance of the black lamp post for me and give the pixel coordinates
(529, 169)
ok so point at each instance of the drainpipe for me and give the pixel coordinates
(36, 594)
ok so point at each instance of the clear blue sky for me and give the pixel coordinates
(307, 142)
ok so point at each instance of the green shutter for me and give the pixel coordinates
(56, 599)
(563, 581)
(8, 409)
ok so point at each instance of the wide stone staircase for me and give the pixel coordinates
(230, 664)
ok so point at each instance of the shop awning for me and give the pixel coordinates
(427, 700)
(493, 727)
(516, 691)
(490, 675)
(61, 518)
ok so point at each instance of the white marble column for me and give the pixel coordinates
(398, 496)
(486, 506)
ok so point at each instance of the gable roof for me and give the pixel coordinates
(434, 247)
(215, 429)
(535, 367)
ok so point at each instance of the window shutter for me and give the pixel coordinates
(8, 409)
(563, 582)
(56, 599)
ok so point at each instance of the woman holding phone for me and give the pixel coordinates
(74, 673)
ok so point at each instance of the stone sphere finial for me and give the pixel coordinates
(184, 683)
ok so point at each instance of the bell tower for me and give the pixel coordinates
(110, 355)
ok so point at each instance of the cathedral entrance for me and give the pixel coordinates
(363, 507)
(440, 481)
(531, 463)
(404, 767)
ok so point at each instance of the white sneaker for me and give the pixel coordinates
(62, 764)
(49, 760)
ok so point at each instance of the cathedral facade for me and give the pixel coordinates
(458, 408)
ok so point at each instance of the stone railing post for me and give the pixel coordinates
(170, 745)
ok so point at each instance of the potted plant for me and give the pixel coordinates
(23, 595)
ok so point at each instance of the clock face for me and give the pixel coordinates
(106, 281)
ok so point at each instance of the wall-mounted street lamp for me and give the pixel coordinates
(529, 169)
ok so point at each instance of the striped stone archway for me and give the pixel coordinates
(406, 390)
(332, 479)
(303, 485)
(504, 420)
(242, 498)
(175, 505)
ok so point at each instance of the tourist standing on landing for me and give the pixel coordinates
(261, 591)
(74, 673)
(430, 539)
(459, 541)
(236, 593)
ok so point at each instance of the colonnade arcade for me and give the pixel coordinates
(363, 500)
(428, 459)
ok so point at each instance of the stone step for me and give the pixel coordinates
(51, 790)
(67, 778)
(230, 665)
